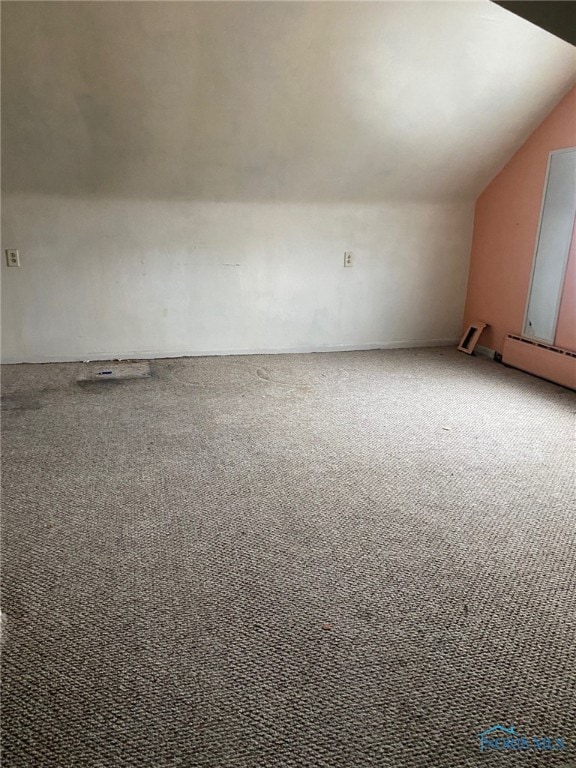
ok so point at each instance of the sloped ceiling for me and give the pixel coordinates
(295, 101)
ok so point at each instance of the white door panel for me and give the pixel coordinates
(556, 224)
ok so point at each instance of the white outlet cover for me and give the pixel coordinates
(12, 257)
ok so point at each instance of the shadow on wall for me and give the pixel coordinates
(269, 101)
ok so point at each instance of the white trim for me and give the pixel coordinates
(542, 204)
(160, 353)
(559, 297)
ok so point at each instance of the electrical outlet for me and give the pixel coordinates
(12, 257)
(348, 258)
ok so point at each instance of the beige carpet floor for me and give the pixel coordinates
(304, 561)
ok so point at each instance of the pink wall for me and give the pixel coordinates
(505, 230)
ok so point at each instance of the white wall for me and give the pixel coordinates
(148, 146)
(126, 278)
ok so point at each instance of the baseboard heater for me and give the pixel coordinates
(548, 362)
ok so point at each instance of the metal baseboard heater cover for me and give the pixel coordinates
(548, 362)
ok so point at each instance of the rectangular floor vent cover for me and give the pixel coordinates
(115, 371)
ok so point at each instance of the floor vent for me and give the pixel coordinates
(470, 338)
(114, 371)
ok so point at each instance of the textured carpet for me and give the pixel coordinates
(316, 561)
